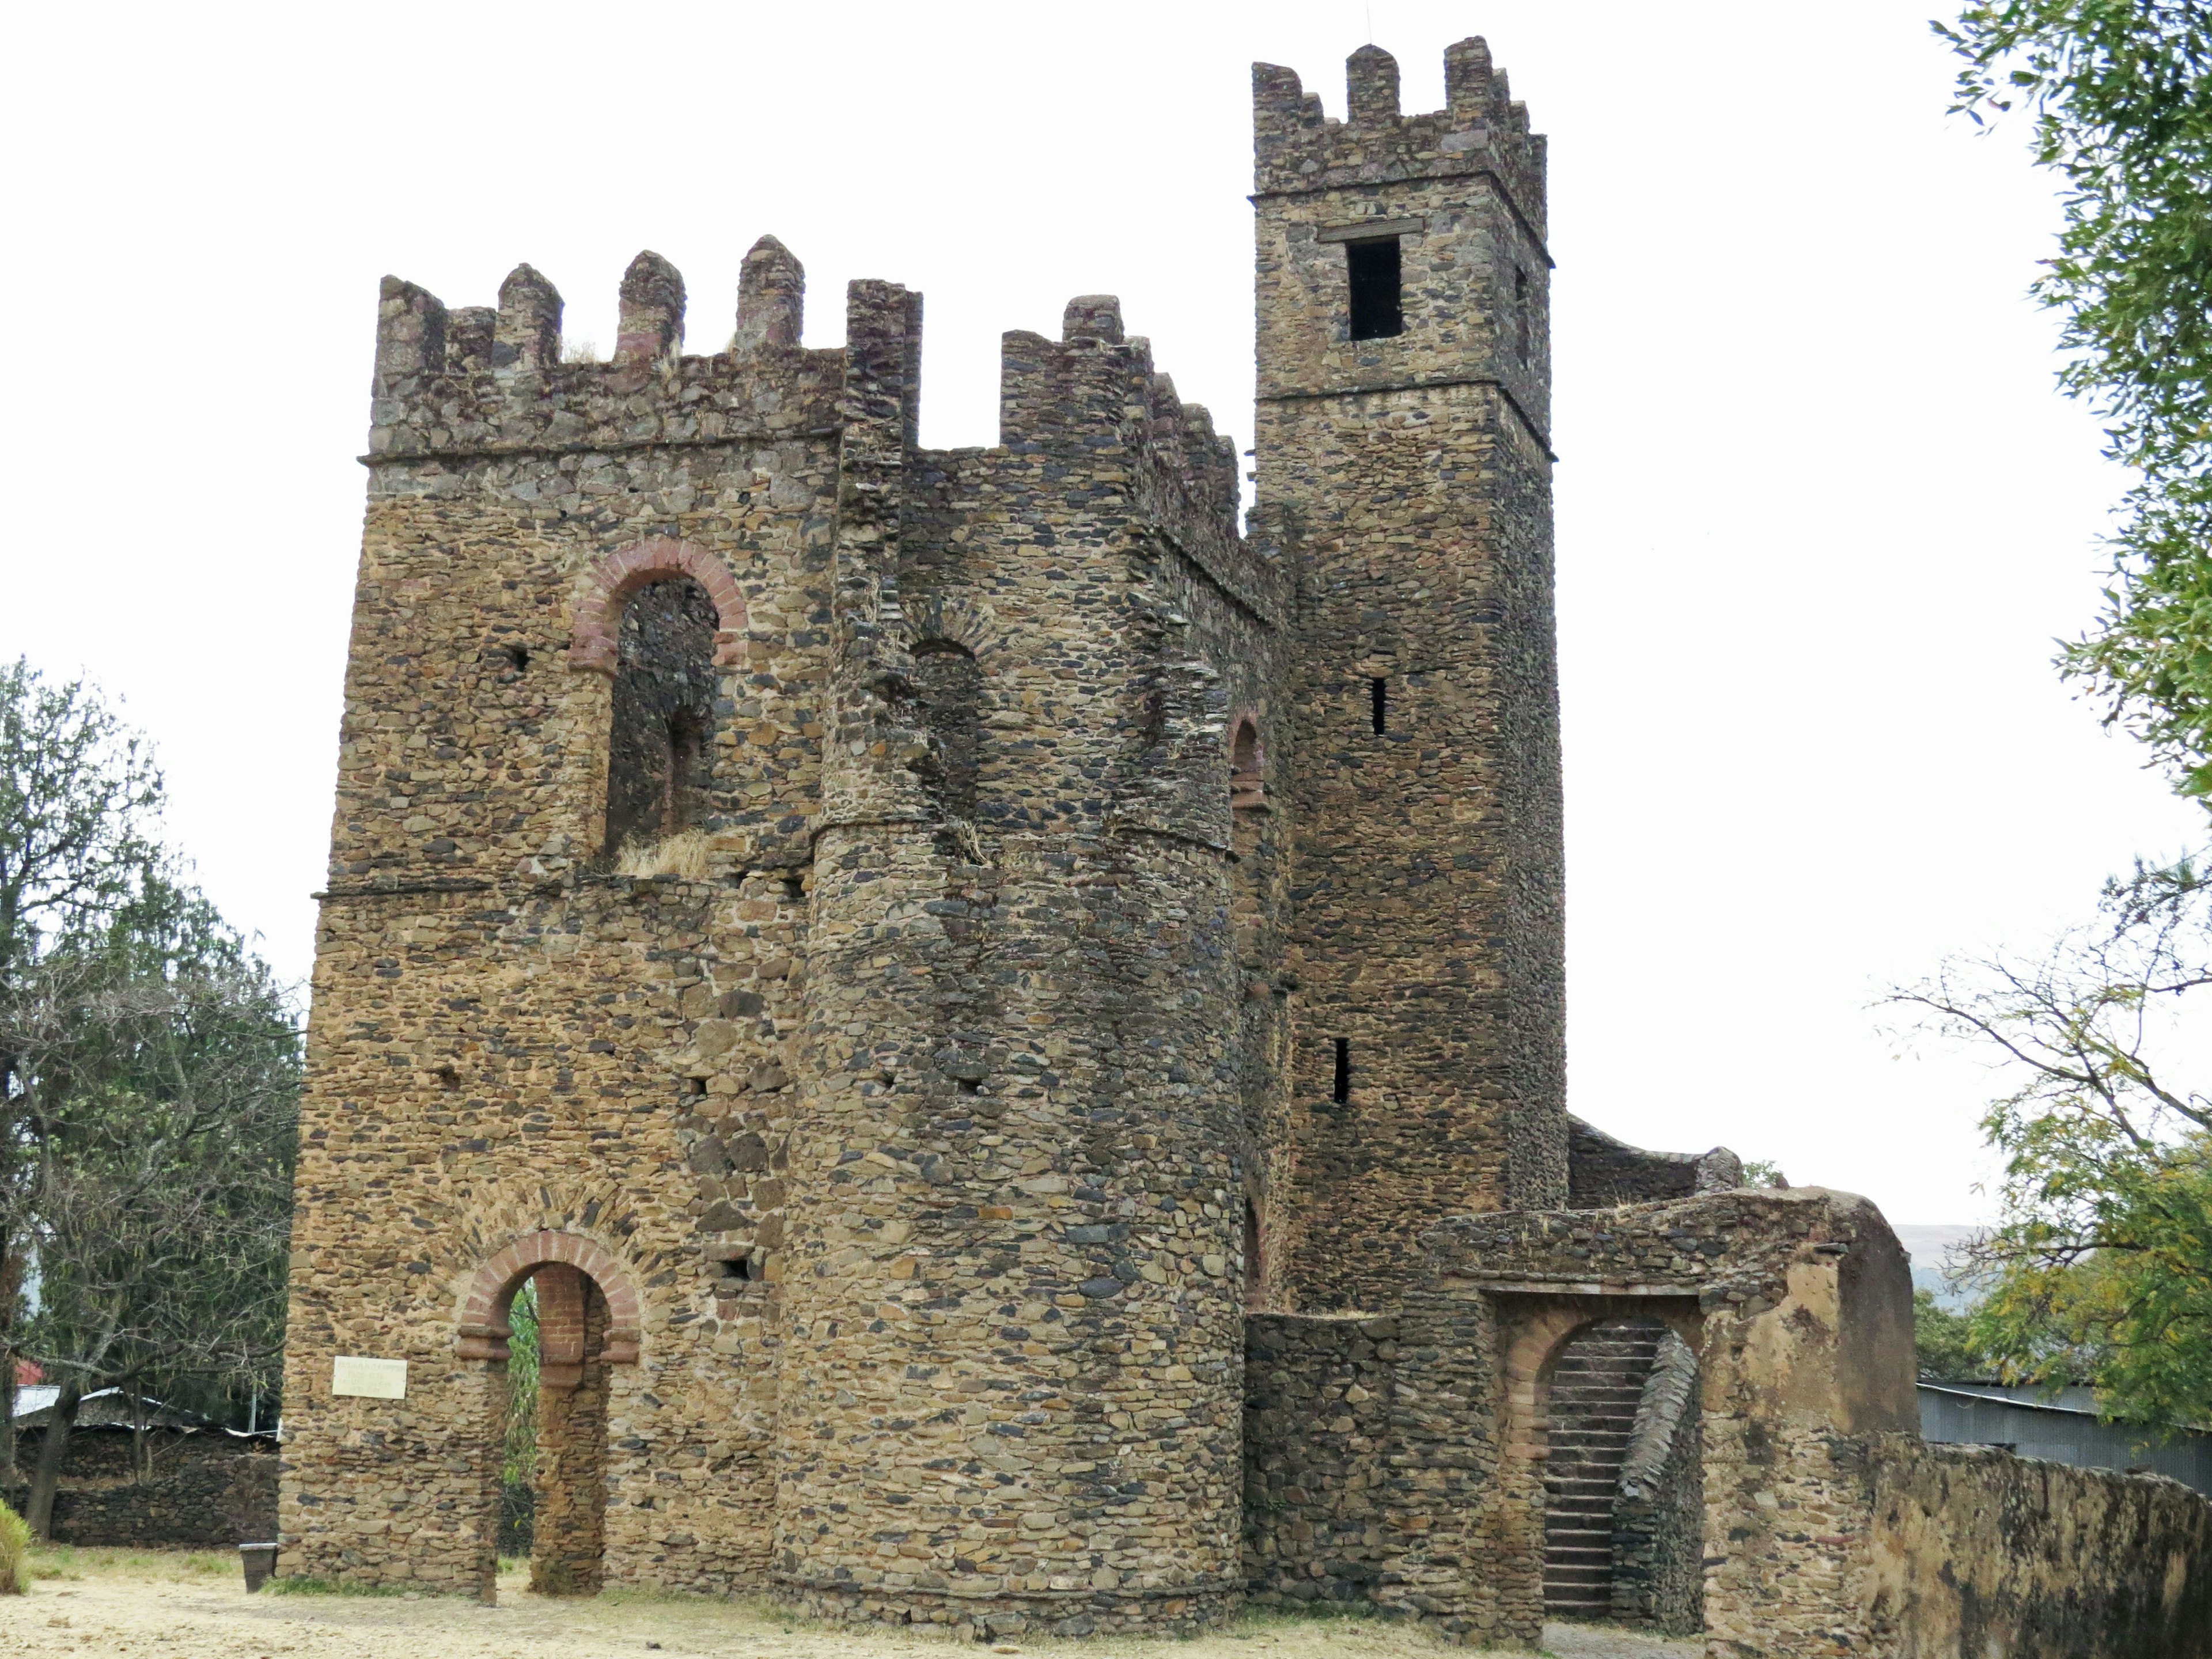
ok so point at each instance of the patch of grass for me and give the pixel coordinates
(1305, 1613)
(302, 1584)
(75, 1561)
(683, 855)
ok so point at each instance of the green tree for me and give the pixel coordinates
(518, 1470)
(158, 1082)
(78, 798)
(148, 1087)
(2119, 93)
(1946, 1345)
(2101, 1268)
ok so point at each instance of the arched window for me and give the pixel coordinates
(1248, 787)
(660, 745)
(951, 685)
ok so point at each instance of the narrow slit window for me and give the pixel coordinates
(1254, 1301)
(1341, 1091)
(1378, 700)
(1521, 310)
(1377, 306)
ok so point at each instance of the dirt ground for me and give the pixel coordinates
(143, 1604)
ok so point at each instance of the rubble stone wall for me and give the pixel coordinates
(208, 1489)
(1659, 1519)
(1975, 1551)
(1371, 1463)
(1319, 1395)
(1602, 1171)
(1010, 1393)
(1798, 1305)
(506, 1037)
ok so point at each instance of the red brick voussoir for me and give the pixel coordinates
(592, 639)
(481, 1329)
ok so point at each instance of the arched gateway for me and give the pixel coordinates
(588, 1319)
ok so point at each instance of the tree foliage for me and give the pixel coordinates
(2100, 1270)
(2120, 95)
(1945, 1344)
(148, 1086)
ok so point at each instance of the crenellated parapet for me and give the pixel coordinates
(1095, 392)
(486, 380)
(1297, 149)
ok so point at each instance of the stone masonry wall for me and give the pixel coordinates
(1319, 1393)
(911, 1133)
(208, 1489)
(1009, 1396)
(1975, 1551)
(506, 1039)
(1798, 1305)
(1658, 1528)
(1602, 1171)
(1408, 478)
(1370, 1454)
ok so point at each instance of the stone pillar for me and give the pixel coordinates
(568, 1549)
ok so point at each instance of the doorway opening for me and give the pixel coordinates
(1623, 1492)
(553, 1441)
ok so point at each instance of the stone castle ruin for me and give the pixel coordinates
(1016, 1026)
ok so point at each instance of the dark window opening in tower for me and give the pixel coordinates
(1377, 308)
(1247, 783)
(660, 744)
(1521, 310)
(1340, 1093)
(950, 687)
(687, 746)
(1378, 705)
(1254, 1299)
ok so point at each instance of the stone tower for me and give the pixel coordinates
(1403, 400)
(1009, 1388)
(780, 907)
(1009, 1025)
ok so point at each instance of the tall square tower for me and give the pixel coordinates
(1405, 468)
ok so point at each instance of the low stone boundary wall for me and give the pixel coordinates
(1976, 1552)
(208, 1488)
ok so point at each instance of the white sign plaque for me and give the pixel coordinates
(373, 1379)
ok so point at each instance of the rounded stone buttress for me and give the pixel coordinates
(1011, 1385)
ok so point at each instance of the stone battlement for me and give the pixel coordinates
(481, 380)
(1095, 389)
(1481, 129)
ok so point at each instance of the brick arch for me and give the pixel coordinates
(1539, 1337)
(483, 1330)
(598, 626)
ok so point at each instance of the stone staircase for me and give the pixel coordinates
(1596, 1386)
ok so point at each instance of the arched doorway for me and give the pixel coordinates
(1623, 1490)
(582, 1312)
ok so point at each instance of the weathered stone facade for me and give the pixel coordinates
(1017, 1023)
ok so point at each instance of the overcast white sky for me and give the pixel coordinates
(1820, 513)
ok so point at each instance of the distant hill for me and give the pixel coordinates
(1931, 1248)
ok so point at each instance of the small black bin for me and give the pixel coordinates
(260, 1561)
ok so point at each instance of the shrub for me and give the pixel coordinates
(15, 1553)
